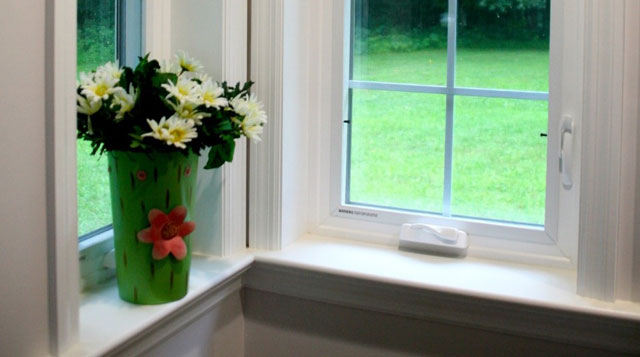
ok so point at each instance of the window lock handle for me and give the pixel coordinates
(566, 151)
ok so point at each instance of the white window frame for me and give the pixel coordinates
(94, 247)
(450, 91)
(550, 244)
(301, 82)
(301, 79)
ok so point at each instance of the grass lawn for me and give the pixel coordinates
(94, 200)
(499, 158)
(499, 163)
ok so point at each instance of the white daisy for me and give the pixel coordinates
(187, 63)
(184, 90)
(85, 78)
(174, 131)
(99, 87)
(210, 94)
(88, 107)
(201, 76)
(180, 131)
(254, 117)
(170, 67)
(126, 100)
(159, 130)
(110, 70)
(187, 110)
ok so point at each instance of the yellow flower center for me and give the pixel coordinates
(178, 135)
(101, 89)
(187, 66)
(208, 97)
(183, 90)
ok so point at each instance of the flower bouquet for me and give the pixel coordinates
(153, 122)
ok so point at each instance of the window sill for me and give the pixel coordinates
(511, 298)
(109, 325)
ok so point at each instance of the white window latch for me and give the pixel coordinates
(434, 239)
(566, 151)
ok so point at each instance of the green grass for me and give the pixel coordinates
(499, 162)
(94, 200)
(499, 158)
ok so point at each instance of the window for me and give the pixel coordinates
(107, 31)
(447, 116)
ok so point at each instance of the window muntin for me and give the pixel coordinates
(513, 95)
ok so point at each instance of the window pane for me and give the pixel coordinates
(96, 45)
(401, 41)
(499, 159)
(94, 200)
(503, 44)
(96, 33)
(397, 149)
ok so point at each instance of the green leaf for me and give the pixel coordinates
(220, 154)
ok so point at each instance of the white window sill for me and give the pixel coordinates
(482, 278)
(510, 298)
(108, 324)
(516, 298)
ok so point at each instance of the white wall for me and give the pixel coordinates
(277, 325)
(219, 332)
(23, 245)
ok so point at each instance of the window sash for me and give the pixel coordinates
(476, 224)
(128, 45)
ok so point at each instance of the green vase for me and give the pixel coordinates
(141, 182)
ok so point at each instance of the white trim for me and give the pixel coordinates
(175, 321)
(156, 22)
(265, 159)
(514, 318)
(111, 326)
(634, 56)
(432, 287)
(605, 227)
(62, 235)
(565, 86)
(628, 274)
(325, 112)
(221, 46)
(234, 69)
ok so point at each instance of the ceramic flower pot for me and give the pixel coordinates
(152, 200)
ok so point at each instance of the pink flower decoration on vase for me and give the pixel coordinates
(167, 232)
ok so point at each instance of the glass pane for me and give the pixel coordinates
(96, 33)
(397, 149)
(499, 159)
(94, 200)
(402, 41)
(503, 44)
(96, 45)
